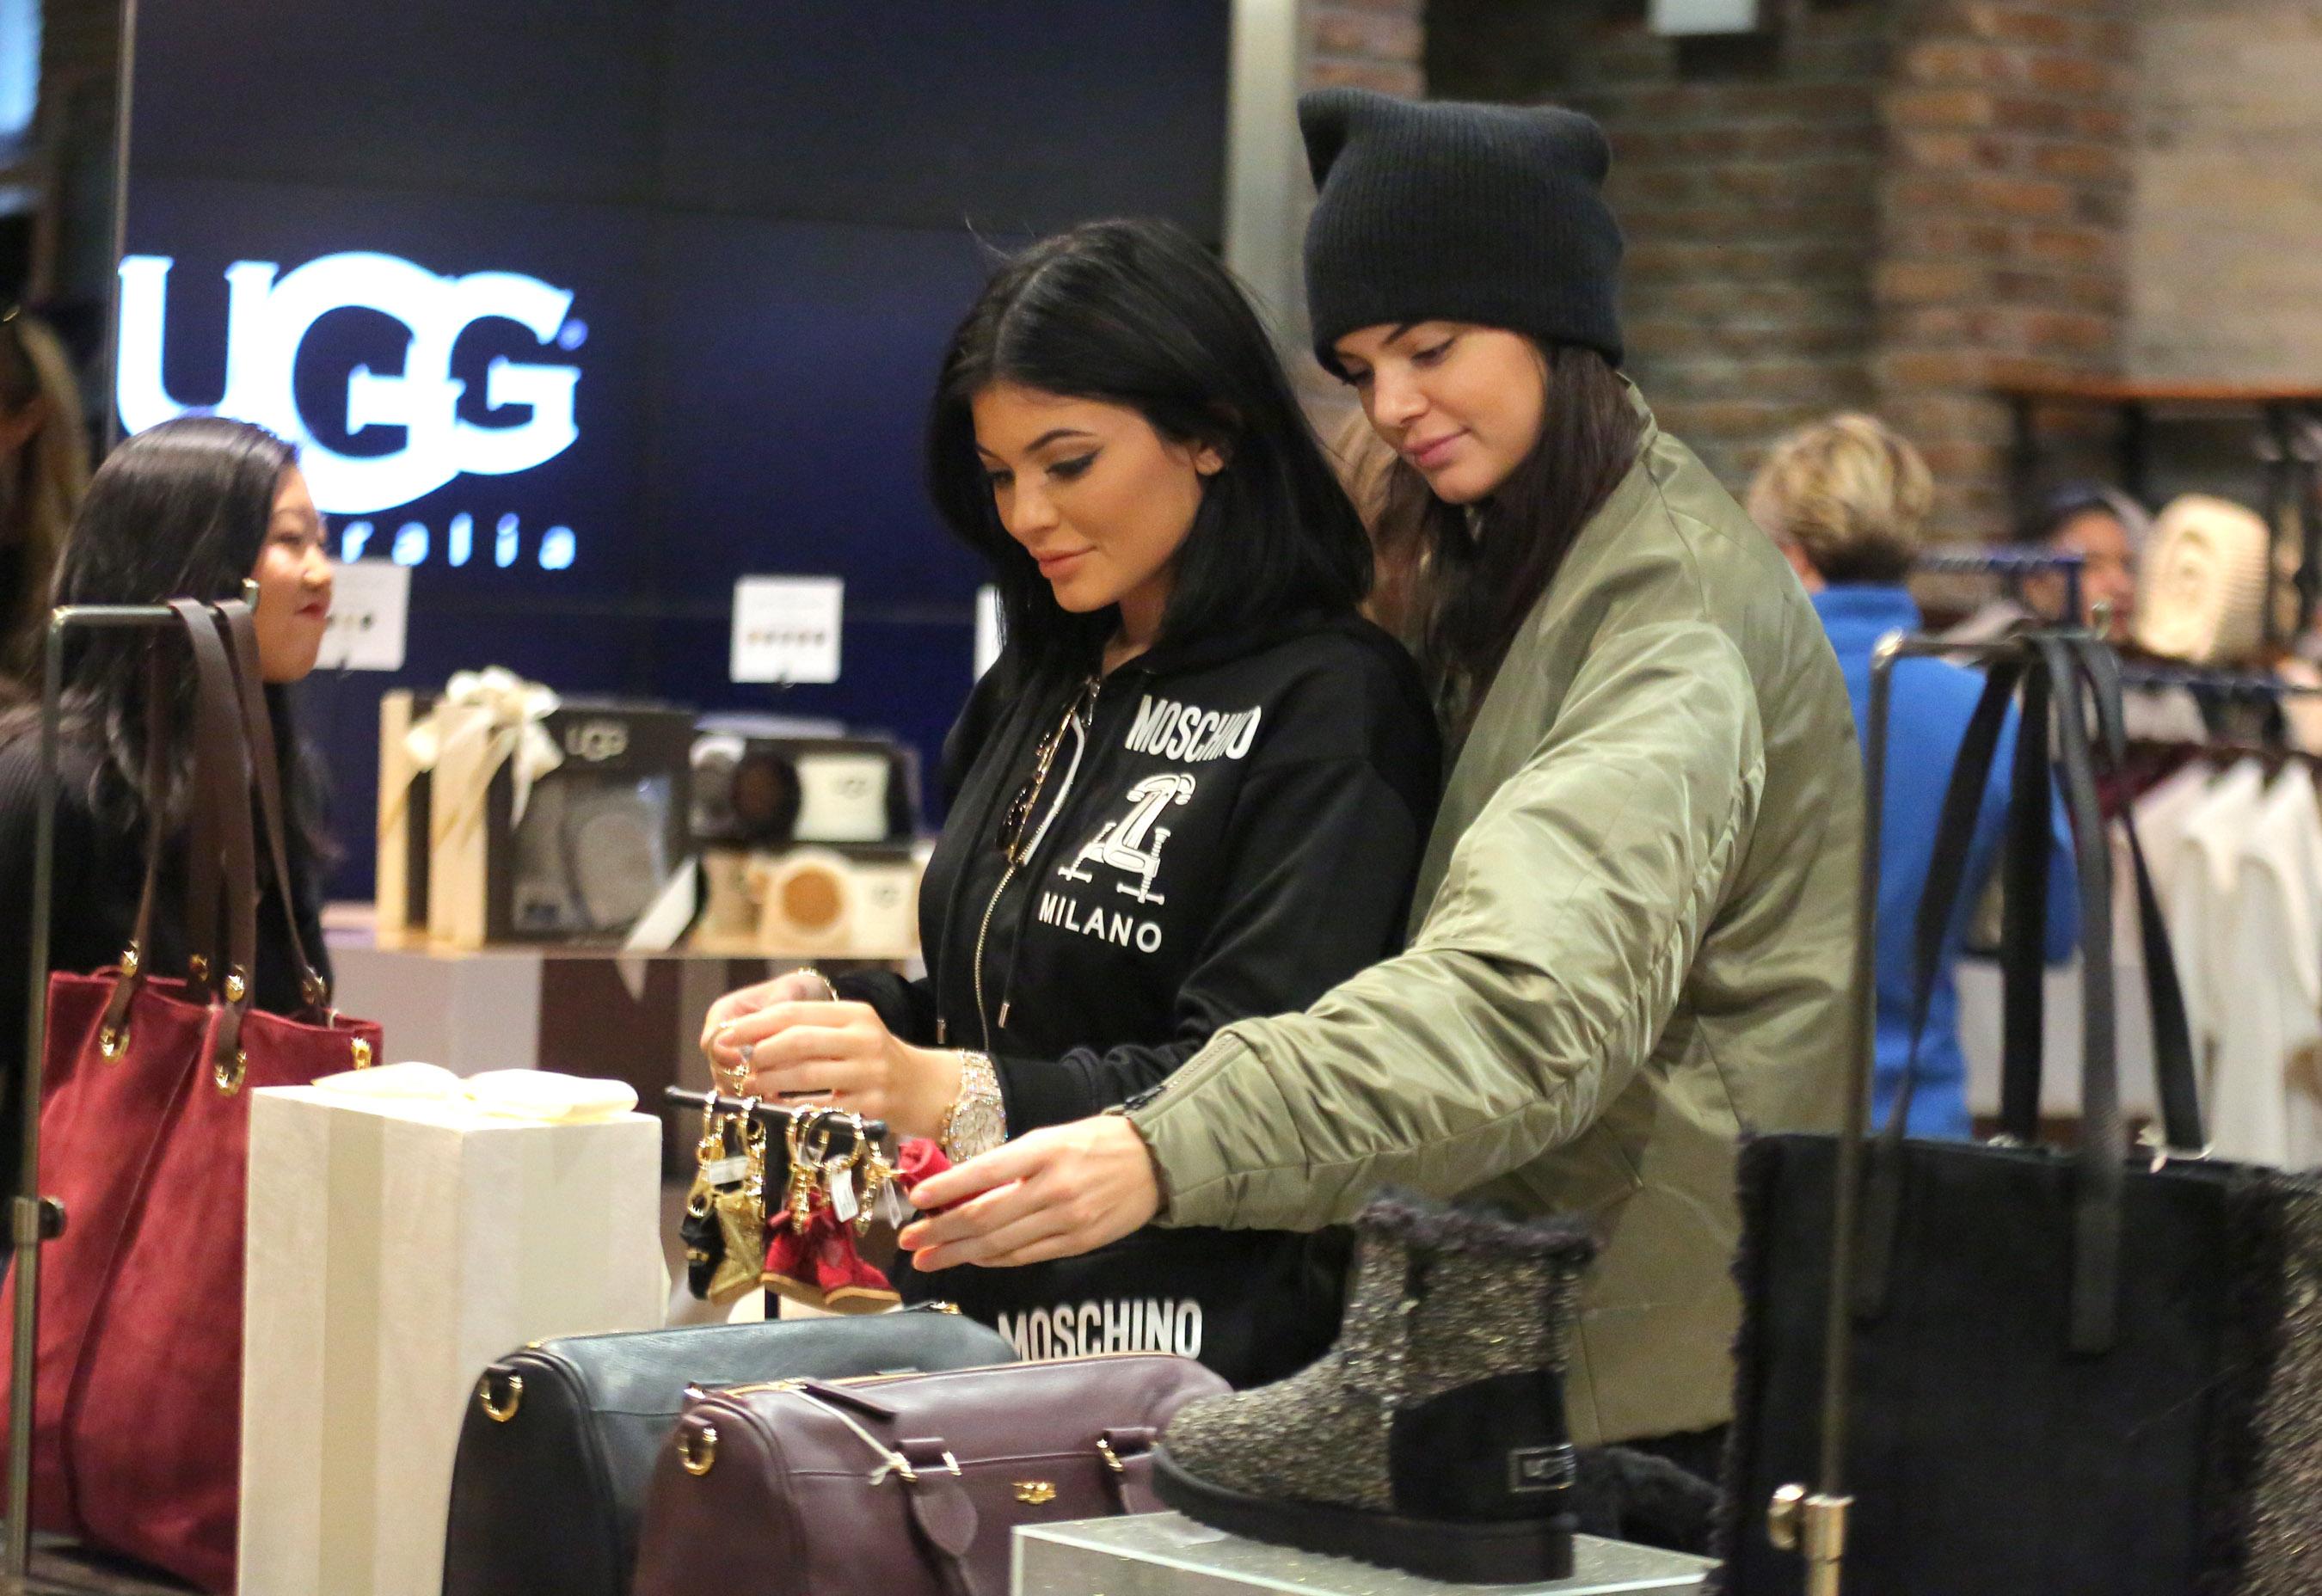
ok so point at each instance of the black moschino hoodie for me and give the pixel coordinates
(1227, 828)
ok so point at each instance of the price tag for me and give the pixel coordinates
(726, 1172)
(892, 1206)
(370, 614)
(839, 1182)
(787, 628)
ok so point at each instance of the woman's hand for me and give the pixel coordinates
(720, 1048)
(1054, 1193)
(793, 1049)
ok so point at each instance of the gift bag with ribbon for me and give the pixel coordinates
(144, 1137)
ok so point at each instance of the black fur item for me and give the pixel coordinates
(1436, 1226)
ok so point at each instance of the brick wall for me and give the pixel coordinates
(2003, 240)
(1895, 202)
(1368, 43)
(2225, 244)
(1745, 173)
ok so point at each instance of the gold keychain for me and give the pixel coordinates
(877, 1171)
(742, 1208)
(806, 1140)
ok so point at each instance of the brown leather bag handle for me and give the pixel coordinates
(942, 1513)
(258, 728)
(136, 959)
(944, 1517)
(225, 763)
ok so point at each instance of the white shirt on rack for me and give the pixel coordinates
(2202, 872)
(2265, 1097)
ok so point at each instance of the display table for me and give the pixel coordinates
(1166, 1555)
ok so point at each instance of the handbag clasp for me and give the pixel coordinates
(697, 1449)
(496, 1411)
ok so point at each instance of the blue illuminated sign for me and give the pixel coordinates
(269, 315)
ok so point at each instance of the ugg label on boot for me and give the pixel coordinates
(1534, 1470)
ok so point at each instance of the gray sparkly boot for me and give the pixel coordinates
(1430, 1438)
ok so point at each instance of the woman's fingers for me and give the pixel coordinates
(800, 1080)
(799, 985)
(806, 1044)
(982, 1228)
(1010, 1161)
(1052, 1193)
(757, 1027)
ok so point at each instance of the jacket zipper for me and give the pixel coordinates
(982, 933)
(1031, 851)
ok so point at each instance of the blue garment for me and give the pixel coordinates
(1928, 714)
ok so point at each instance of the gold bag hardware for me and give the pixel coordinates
(696, 1450)
(1035, 1493)
(498, 1411)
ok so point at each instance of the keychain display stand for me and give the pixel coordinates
(1168, 1555)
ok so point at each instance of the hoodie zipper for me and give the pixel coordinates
(1031, 851)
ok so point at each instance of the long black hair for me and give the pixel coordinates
(178, 511)
(1466, 586)
(1138, 313)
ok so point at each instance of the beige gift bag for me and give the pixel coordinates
(397, 1245)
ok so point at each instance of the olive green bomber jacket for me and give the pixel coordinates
(1632, 937)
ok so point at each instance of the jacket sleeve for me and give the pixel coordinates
(906, 1007)
(1551, 959)
(1321, 856)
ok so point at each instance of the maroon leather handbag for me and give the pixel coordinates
(145, 1137)
(904, 1484)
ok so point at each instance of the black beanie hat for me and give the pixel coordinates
(1435, 211)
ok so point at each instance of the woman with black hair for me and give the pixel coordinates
(191, 508)
(1192, 790)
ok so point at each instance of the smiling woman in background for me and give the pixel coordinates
(191, 508)
(1192, 790)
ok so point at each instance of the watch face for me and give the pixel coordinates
(977, 1125)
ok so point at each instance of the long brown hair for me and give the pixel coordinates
(47, 480)
(1459, 591)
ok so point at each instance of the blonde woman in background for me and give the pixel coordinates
(43, 469)
(1846, 499)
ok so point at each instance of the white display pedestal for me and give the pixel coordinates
(1167, 1554)
(395, 1250)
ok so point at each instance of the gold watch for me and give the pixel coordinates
(977, 1121)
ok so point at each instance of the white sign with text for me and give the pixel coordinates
(786, 628)
(371, 616)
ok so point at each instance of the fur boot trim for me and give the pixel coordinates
(1435, 1226)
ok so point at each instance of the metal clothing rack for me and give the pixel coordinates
(34, 1219)
(2012, 566)
(2228, 684)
